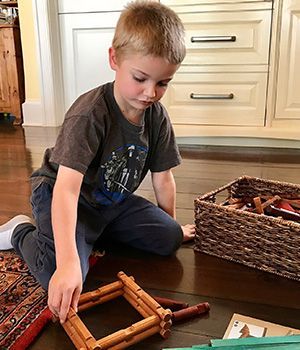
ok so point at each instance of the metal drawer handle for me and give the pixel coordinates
(211, 96)
(214, 38)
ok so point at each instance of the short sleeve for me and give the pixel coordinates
(165, 153)
(77, 143)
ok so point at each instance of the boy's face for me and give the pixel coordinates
(140, 81)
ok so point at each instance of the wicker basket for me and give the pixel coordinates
(263, 242)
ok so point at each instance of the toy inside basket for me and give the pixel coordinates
(264, 242)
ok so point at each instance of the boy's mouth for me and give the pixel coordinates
(146, 103)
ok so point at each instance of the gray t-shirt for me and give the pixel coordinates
(113, 154)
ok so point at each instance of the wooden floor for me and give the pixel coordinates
(188, 276)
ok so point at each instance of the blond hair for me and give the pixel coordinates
(149, 28)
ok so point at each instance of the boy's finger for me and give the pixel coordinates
(54, 304)
(64, 307)
(75, 299)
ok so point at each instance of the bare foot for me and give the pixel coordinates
(188, 232)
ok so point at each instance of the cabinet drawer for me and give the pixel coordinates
(217, 98)
(227, 38)
(205, 2)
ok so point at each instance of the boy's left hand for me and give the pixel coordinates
(188, 232)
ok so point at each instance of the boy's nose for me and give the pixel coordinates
(150, 92)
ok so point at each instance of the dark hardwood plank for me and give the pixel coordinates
(188, 276)
(191, 272)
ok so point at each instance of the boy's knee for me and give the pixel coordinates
(39, 257)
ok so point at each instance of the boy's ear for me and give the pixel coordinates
(112, 58)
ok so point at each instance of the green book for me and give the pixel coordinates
(178, 348)
(291, 342)
(291, 346)
(255, 347)
(192, 348)
(290, 339)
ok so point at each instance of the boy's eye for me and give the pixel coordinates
(163, 84)
(140, 80)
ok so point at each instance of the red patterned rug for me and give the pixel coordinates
(23, 304)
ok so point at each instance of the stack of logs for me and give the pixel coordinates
(285, 208)
(156, 318)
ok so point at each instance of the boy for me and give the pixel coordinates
(110, 138)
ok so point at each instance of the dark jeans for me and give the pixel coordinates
(135, 222)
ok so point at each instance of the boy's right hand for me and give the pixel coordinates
(64, 290)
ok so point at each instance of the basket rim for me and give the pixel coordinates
(203, 200)
(270, 219)
(245, 177)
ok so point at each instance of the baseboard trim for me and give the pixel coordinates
(33, 113)
(238, 142)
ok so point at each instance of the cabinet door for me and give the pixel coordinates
(288, 87)
(4, 93)
(85, 40)
(78, 6)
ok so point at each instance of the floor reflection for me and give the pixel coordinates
(21, 152)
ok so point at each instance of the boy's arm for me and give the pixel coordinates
(165, 192)
(66, 283)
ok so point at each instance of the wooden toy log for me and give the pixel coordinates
(138, 301)
(165, 315)
(100, 300)
(73, 335)
(133, 302)
(270, 201)
(146, 311)
(171, 304)
(164, 327)
(135, 339)
(150, 323)
(190, 312)
(258, 206)
(81, 330)
(157, 319)
(98, 293)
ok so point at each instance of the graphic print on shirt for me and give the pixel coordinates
(121, 174)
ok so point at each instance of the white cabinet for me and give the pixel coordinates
(223, 79)
(86, 35)
(78, 6)
(85, 41)
(288, 83)
(248, 83)
(240, 78)
(196, 2)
